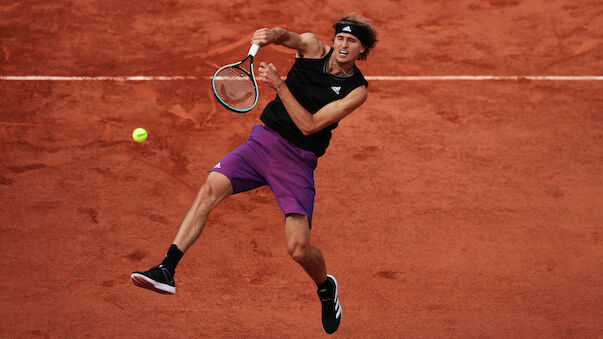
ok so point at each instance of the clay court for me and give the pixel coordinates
(449, 207)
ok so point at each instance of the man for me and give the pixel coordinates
(323, 86)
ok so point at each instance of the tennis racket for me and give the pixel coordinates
(235, 87)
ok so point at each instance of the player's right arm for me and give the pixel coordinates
(306, 44)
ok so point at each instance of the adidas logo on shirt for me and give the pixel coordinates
(218, 165)
(336, 89)
(346, 29)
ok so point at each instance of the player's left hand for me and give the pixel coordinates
(269, 74)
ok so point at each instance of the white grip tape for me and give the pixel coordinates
(254, 49)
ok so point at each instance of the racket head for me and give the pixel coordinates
(235, 87)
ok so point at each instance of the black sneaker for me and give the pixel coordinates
(331, 309)
(158, 279)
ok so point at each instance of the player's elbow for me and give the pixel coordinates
(306, 126)
(307, 131)
(309, 128)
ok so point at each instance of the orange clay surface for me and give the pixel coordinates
(444, 208)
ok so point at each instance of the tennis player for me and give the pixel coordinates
(323, 86)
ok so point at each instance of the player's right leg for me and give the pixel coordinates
(160, 278)
(216, 188)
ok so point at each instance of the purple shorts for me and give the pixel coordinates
(269, 159)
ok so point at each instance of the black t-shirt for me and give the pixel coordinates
(311, 84)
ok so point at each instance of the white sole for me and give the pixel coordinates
(336, 296)
(146, 282)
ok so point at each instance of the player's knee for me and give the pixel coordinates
(206, 191)
(298, 251)
(207, 197)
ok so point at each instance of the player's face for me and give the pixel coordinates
(347, 48)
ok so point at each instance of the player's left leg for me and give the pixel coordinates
(297, 232)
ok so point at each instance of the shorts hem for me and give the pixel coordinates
(232, 182)
(300, 213)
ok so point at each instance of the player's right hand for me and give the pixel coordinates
(263, 36)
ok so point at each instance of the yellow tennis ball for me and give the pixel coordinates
(139, 135)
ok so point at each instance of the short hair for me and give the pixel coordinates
(371, 33)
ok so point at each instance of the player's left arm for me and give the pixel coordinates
(331, 113)
(306, 122)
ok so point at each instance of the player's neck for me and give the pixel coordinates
(342, 70)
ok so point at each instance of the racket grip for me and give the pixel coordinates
(253, 50)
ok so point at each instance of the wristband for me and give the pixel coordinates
(279, 85)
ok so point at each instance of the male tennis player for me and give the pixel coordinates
(323, 86)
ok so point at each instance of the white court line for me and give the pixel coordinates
(95, 78)
(485, 77)
(369, 77)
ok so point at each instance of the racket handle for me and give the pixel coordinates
(253, 50)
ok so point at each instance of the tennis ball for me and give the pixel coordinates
(139, 135)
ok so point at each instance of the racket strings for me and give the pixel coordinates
(235, 88)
